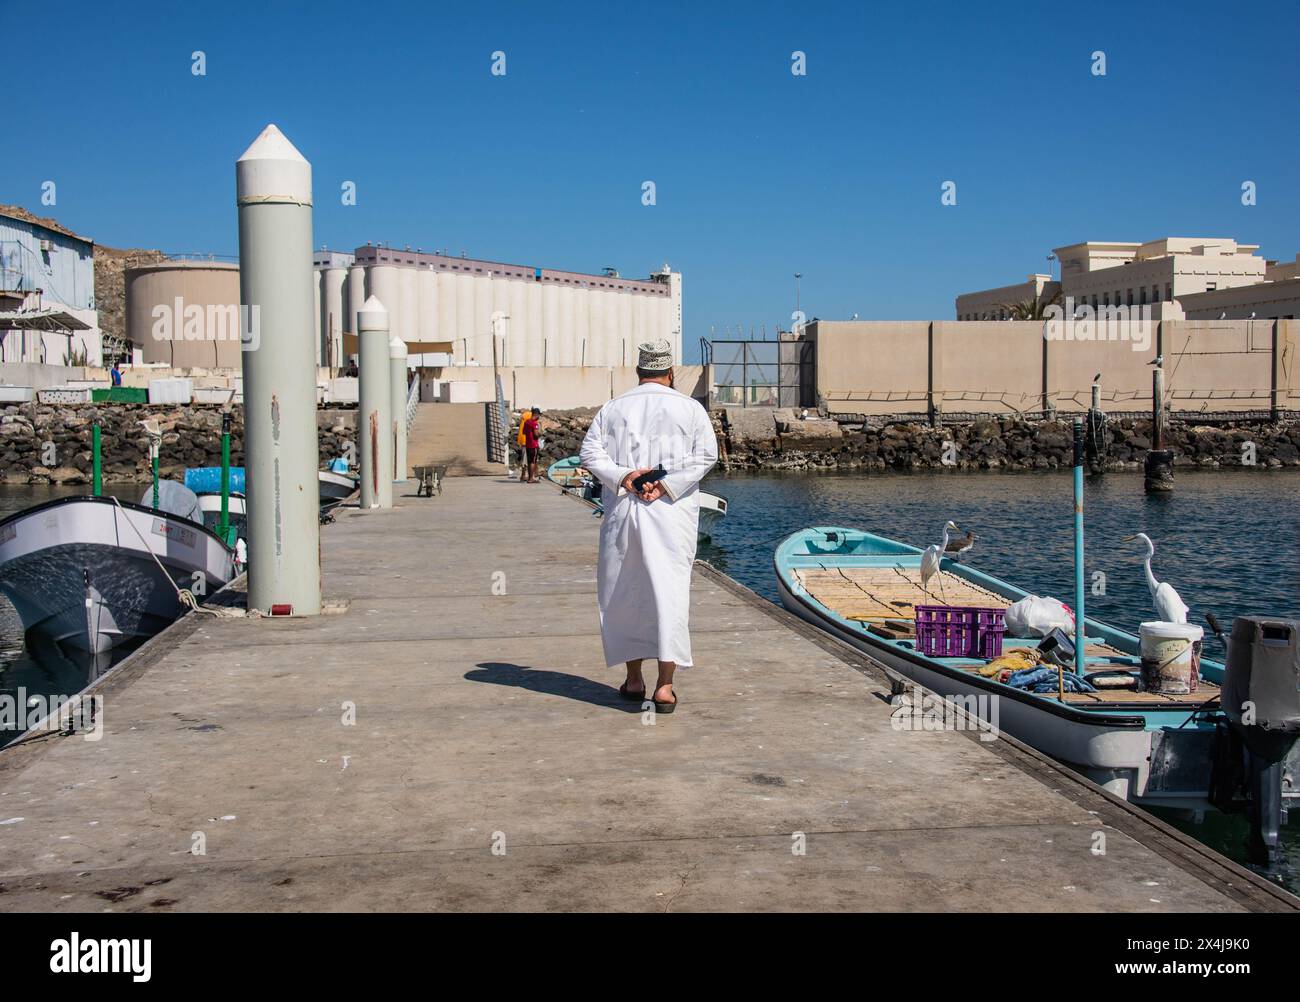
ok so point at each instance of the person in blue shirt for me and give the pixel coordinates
(115, 374)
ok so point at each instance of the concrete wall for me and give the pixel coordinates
(40, 377)
(1125, 374)
(1217, 365)
(990, 367)
(873, 367)
(998, 367)
(563, 387)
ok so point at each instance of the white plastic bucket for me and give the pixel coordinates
(1171, 657)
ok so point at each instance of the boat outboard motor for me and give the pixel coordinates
(1261, 699)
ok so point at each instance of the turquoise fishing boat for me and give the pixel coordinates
(571, 477)
(1150, 747)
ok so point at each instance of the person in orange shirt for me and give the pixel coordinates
(522, 445)
(532, 443)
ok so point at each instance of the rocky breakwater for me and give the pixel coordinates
(42, 444)
(783, 440)
(763, 438)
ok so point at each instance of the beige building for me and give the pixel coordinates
(996, 304)
(1158, 274)
(1277, 299)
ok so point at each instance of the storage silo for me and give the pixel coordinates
(446, 307)
(481, 295)
(385, 284)
(625, 328)
(480, 345)
(332, 317)
(356, 297)
(583, 297)
(185, 313)
(408, 325)
(564, 318)
(316, 311)
(524, 349)
(427, 283)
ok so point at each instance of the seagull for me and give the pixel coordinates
(1097, 378)
(1170, 608)
(958, 548)
(933, 555)
(1223, 315)
(1158, 360)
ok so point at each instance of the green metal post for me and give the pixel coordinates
(97, 479)
(223, 528)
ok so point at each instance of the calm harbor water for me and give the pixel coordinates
(1229, 543)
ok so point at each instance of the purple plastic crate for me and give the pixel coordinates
(952, 631)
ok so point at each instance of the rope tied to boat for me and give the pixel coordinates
(183, 595)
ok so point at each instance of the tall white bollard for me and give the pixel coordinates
(397, 367)
(281, 454)
(375, 407)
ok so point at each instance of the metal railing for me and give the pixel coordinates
(412, 402)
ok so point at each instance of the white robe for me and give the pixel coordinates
(643, 580)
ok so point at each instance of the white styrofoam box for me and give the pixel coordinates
(64, 395)
(460, 391)
(17, 394)
(87, 384)
(171, 391)
(214, 395)
(343, 390)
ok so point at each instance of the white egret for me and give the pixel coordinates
(1170, 608)
(931, 557)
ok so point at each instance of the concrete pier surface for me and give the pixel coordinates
(492, 766)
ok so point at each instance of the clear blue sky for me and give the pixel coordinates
(759, 173)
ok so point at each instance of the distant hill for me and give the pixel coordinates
(110, 288)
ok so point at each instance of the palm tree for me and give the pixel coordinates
(1034, 308)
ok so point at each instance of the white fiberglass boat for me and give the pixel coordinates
(89, 573)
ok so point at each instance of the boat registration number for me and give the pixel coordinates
(182, 535)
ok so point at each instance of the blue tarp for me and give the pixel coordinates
(1048, 679)
(207, 479)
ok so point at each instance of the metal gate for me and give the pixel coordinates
(763, 373)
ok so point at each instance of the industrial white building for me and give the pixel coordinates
(448, 308)
(47, 293)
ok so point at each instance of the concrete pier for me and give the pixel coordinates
(452, 741)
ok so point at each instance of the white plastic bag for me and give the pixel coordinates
(1037, 617)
